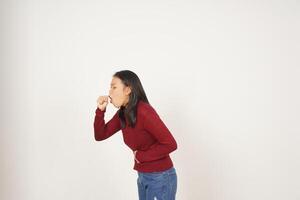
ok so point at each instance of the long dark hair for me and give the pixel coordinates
(129, 112)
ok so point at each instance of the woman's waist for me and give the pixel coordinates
(155, 166)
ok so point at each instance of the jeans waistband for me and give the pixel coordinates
(168, 171)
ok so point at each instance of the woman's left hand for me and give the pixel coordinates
(135, 156)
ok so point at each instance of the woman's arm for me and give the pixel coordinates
(103, 131)
(165, 141)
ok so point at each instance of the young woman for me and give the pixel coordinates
(144, 133)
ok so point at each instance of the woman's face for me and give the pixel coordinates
(118, 93)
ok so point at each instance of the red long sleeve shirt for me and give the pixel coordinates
(150, 137)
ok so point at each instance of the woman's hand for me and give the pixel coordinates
(135, 156)
(102, 102)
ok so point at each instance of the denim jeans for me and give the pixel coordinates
(157, 185)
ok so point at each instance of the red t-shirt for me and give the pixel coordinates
(150, 137)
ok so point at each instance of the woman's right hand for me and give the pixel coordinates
(102, 102)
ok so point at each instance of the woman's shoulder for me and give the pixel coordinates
(145, 108)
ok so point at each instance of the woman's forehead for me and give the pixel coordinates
(115, 81)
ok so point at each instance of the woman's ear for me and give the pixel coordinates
(127, 90)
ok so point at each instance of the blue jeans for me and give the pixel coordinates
(157, 185)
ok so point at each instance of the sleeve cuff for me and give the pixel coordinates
(100, 112)
(138, 156)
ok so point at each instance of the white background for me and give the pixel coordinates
(223, 76)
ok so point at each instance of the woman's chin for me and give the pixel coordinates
(116, 106)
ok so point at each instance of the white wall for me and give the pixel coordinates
(223, 75)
